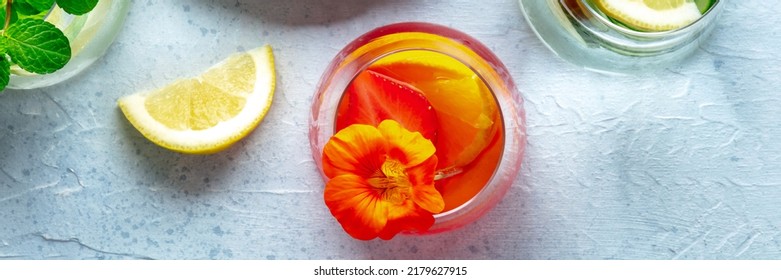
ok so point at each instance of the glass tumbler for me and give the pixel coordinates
(578, 32)
(385, 41)
(90, 35)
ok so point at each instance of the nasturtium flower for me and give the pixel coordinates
(381, 180)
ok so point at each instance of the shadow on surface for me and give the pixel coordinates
(158, 167)
(303, 12)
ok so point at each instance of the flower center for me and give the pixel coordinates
(392, 182)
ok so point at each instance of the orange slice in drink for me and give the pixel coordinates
(464, 106)
(459, 189)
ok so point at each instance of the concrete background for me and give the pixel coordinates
(680, 164)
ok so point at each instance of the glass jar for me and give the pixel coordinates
(90, 35)
(414, 36)
(578, 32)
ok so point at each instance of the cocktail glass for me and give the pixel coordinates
(472, 186)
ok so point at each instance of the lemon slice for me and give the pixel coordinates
(208, 113)
(651, 15)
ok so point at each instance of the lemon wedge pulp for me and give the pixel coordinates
(651, 15)
(210, 112)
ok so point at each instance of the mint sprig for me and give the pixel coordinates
(30, 42)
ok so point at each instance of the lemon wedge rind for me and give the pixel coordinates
(219, 136)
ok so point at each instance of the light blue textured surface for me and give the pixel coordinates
(681, 164)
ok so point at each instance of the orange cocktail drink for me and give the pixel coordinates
(417, 128)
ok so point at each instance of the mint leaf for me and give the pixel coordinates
(77, 7)
(3, 46)
(32, 7)
(23, 9)
(5, 71)
(14, 17)
(40, 5)
(37, 46)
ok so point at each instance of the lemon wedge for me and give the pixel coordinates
(651, 15)
(208, 113)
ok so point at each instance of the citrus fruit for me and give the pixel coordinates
(207, 113)
(465, 108)
(373, 97)
(651, 15)
(460, 188)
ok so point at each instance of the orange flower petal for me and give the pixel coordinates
(357, 149)
(424, 194)
(356, 155)
(410, 148)
(356, 206)
(406, 218)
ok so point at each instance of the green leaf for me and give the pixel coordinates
(32, 7)
(3, 46)
(77, 7)
(24, 9)
(5, 72)
(37, 46)
(14, 17)
(40, 5)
